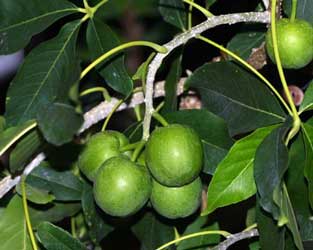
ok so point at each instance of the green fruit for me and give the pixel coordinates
(176, 202)
(121, 187)
(174, 155)
(295, 43)
(100, 147)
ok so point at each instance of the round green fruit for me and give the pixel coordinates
(100, 147)
(295, 43)
(174, 155)
(121, 187)
(176, 202)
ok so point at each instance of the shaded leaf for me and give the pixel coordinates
(234, 94)
(59, 122)
(2, 123)
(212, 131)
(307, 103)
(13, 230)
(233, 179)
(304, 9)
(134, 132)
(11, 135)
(56, 69)
(23, 151)
(64, 185)
(97, 228)
(53, 237)
(209, 3)
(174, 12)
(151, 232)
(20, 20)
(101, 39)
(143, 68)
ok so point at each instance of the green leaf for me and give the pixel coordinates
(35, 195)
(209, 3)
(97, 228)
(53, 212)
(299, 156)
(270, 165)
(13, 230)
(23, 151)
(171, 81)
(21, 20)
(304, 9)
(11, 135)
(101, 39)
(53, 237)
(233, 179)
(59, 123)
(2, 123)
(212, 131)
(308, 167)
(174, 12)
(202, 242)
(141, 72)
(64, 185)
(152, 232)
(243, 43)
(236, 95)
(307, 103)
(45, 76)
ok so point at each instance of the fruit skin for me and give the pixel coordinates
(174, 155)
(295, 43)
(121, 187)
(100, 147)
(176, 202)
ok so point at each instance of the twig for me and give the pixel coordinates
(232, 239)
(260, 17)
(104, 108)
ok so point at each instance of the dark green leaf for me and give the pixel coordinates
(152, 233)
(174, 12)
(296, 184)
(240, 98)
(13, 230)
(270, 165)
(101, 39)
(97, 228)
(172, 79)
(134, 132)
(24, 150)
(45, 77)
(307, 103)
(201, 242)
(233, 179)
(143, 68)
(20, 20)
(212, 131)
(2, 123)
(209, 3)
(59, 122)
(271, 236)
(11, 135)
(304, 9)
(53, 237)
(64, 185)
(35, 195)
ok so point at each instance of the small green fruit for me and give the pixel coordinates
(121, 187)
(176, 202)
(100, 147)
(295, 43)
(174, 155)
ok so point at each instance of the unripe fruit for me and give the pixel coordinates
(295, 43)
(174, 155)
(176, 202)
(100, 147)
(121, 187)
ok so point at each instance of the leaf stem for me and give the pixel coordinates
(130, 146)
(190, 15)
(218, 232)
(247, 65)
(297, 122)
(137, 151)
(198, 7)
(73, 227)
(106, 122)
(160, 118)
(26, 213)
(137, 110)
(293, 10)
(111, 52)
(103, 90)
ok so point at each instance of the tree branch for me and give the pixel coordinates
(103, 109)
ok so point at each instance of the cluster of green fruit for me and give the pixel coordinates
(295, 43)
(167, 172)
